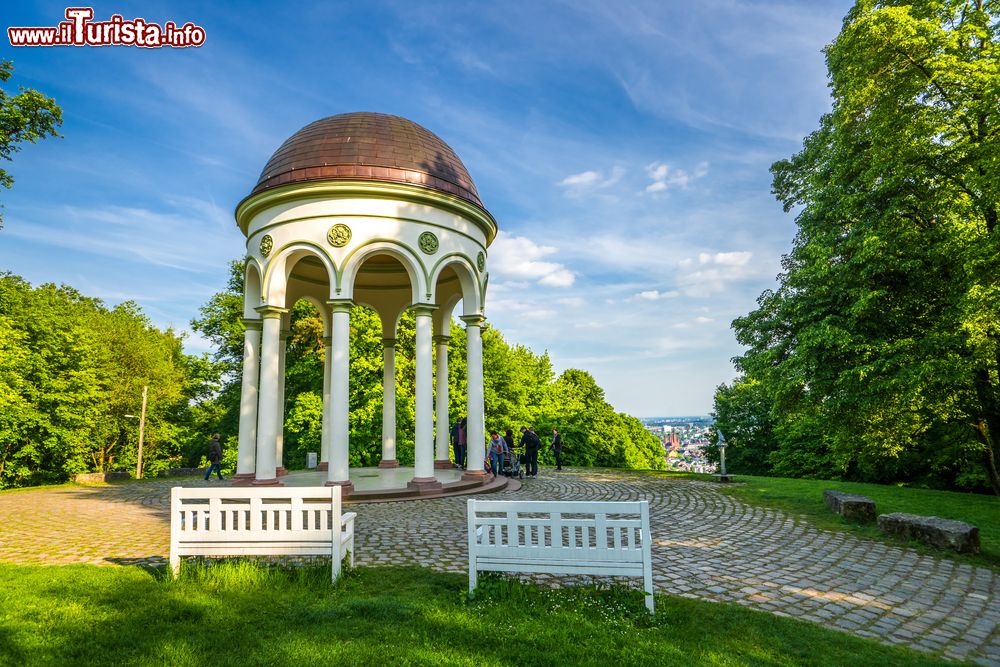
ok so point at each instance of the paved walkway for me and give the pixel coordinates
(706, 545)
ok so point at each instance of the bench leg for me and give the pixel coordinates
(472, 576)
(175, 564)
(335, 557)
(647, 583)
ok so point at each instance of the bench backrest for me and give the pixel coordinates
(556, 530)
(254, 514)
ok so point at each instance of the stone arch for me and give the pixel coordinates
(419, 284)
(251, 288)
(468, 279)
(284, 261)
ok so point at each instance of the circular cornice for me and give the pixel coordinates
(255, 203)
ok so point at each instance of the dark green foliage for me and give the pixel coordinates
(877, 357)
(743, 415)
(71, 369)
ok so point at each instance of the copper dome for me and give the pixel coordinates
(368, 146)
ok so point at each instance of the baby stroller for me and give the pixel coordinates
(512, 465)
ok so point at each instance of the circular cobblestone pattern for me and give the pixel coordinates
(705, 545)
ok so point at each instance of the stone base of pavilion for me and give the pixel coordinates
(388, 484)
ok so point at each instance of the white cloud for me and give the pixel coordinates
(572, 301)
(711, 272)
(654, 295)
(585, 178)
(593, 178)
(616, 175)
(664, 176)
(520, 258)
(560, 278)
(522, 310)
(732, 258)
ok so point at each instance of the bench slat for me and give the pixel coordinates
(564, 553)
(562, 567)
(564, 506)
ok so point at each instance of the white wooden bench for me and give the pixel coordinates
(268, 521)
(597, 538)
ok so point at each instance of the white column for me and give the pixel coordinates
(339, 471)
(423, 467)
(442, 431)
(280, 442)
(324, 447)
(476, 429)
(267, 417)
(247, 448)
(388, 404)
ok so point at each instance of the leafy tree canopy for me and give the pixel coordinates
(876, 357)
(71, 369)
(25, 117)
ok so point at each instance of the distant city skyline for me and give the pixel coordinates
(623, 149)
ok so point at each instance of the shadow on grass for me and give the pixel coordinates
(238, 613)
(155, 566)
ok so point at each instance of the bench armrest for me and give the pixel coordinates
(347, 521)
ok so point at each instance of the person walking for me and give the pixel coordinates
(556, 448)
(531, 444)
(496, 453)
(214, 457)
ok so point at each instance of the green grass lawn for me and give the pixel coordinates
(805, 496)
(238, 613)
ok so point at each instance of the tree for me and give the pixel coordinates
(878, 351)
(25, 117)
(71, 369)
(743, 415)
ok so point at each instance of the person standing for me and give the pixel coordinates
(556, 448)
(454, 442)
(496, 453)
(508, 441)
(531, 444)
(462, 442)
(214, 457)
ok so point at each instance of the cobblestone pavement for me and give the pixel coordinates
(706, 545)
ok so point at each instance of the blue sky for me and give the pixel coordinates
(623, 148)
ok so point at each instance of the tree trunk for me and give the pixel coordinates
(989, 461)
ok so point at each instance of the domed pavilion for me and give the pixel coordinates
(363, 209)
